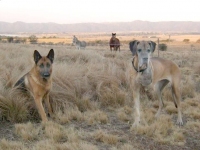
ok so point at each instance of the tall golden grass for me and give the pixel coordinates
(92, 102)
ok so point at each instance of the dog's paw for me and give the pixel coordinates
(179, 122)
(135, 125)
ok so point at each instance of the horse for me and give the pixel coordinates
(78, 44)
(114, 43)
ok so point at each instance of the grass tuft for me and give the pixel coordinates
(11, 145)
(101, 136)
(14, 107)
(96, 117)
(28, 131)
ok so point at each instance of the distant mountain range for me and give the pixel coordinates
(143, 26)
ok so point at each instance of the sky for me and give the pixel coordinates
(97, 11)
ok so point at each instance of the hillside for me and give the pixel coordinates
(146, 26)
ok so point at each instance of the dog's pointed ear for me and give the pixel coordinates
(153, 46)
(133, 46)
(36, 56)
(51, 55)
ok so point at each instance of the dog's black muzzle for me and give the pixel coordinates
(46, 75)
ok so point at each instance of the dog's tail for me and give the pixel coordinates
(20, 84)
(174, 98)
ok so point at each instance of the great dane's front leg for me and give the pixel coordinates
(158, 92)
(136, 97)
(160, 106)
(137, 111)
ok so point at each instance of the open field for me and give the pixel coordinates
(92, 101)
(67, 39)
(95, 38)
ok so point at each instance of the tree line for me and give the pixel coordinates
(9, 39)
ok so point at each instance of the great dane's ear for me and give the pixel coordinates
(36, 56)
(153, 46)
(51, 55)
(133, 46)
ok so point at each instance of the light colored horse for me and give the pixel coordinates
(79, 44)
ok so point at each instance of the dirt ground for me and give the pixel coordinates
(120, 129)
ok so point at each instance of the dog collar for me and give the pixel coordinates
(136, 68)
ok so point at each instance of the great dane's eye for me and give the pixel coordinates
(148, 50)
(139, 50)
(41, 65)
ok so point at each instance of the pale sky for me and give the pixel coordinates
(83, 11)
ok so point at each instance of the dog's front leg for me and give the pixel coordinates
(48, 105)
(136, 97)
(38, 102)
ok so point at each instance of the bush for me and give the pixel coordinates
(162, 47)
(198, 41)
(10, 39)
(19, 40)
(186, 40)
(33, 39)
(167, 40)
(49, 43)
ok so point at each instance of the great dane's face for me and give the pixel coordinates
(142, 49)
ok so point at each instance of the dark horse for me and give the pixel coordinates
(114, 42)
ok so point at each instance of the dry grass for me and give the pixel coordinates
(69, 115)
(189, 90)
(163, 131)
(192, 125)
(124, 147)
(124, 113)
(92, 101)
(8, 145)
(171, 109)
(28, 132)
(13, 108)
(101, 136)
(95, 117)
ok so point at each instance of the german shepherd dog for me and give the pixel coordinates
(38, 82)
